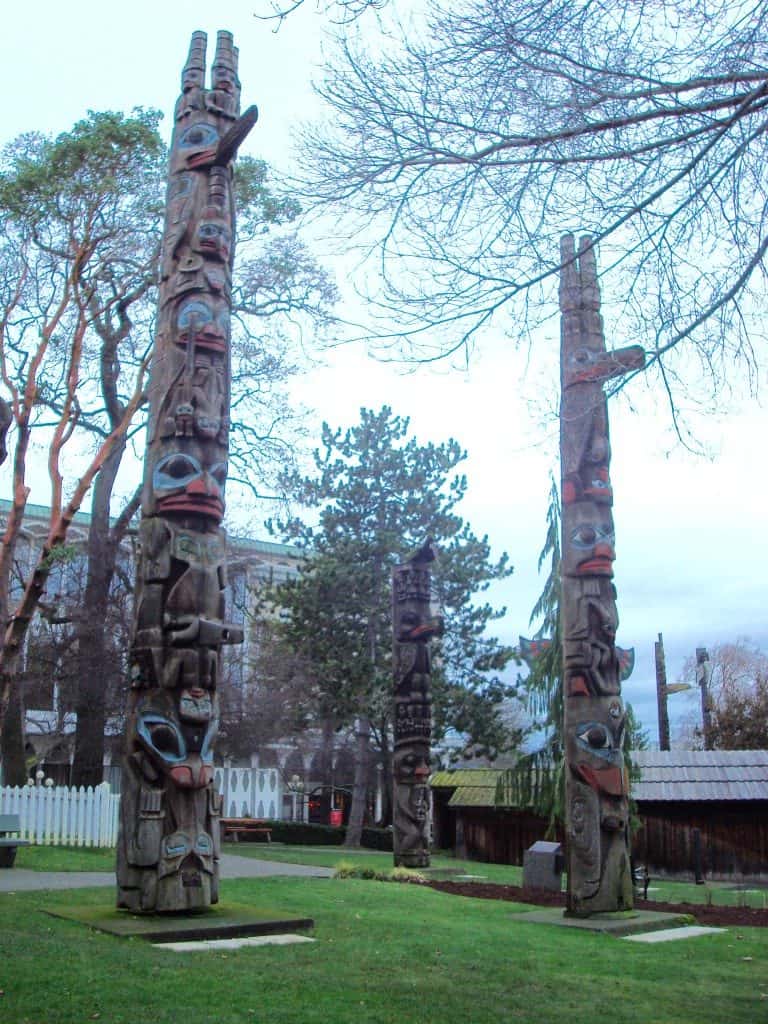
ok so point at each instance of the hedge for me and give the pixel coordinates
(304, 833)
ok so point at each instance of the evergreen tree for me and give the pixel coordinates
(377, 495)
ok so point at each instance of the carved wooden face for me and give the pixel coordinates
(595, 745)
(190, 483)
(411, 764)
(192, 78)
(589, 363)
(196, 140)
(214, 239)
(223, 78)
(204, 320)
(415, 615)
(176, 732)
(588, 547)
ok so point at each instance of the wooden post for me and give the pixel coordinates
(661, 693)
(596, 778)
(703, 675)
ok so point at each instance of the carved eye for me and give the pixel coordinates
(175, 470)
(165, 740)
(582, 357)
(584, 536)
(162, 736)
(596, 736)
(199, 311)
(198, 135)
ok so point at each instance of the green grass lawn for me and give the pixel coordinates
(330, 856)
(720, 893)
(385, 954)
(66, 858)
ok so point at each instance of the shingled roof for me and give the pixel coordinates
(665, 775)
(701, 775)
(475, 787)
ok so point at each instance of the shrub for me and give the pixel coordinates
(301, 833)
(406, 875)
(345, 869)
(377, 839)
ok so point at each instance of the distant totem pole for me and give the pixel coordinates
(168, 847)
(414, 623)
(596, 779)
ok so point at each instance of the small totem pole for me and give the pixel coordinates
(414, 623)
(168, 847)
(596, 780)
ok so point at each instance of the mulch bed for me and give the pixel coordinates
(724, 917)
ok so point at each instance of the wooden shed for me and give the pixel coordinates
(720, 794)
(470, 818)
(713, 801)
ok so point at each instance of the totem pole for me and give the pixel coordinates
(596, 780)
(414, 623)
(530, 650)
(168, 847)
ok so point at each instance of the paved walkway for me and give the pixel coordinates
(232, 866)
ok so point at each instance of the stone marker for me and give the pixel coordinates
(596, 779)
(168, 847)
(543, 867)
(414, 623)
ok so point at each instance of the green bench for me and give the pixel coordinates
(9, 839)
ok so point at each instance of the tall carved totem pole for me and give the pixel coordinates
(168, 848)
(596, 779)
(414, 623)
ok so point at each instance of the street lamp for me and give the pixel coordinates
(296, 787)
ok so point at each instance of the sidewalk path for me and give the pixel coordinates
(232, 866)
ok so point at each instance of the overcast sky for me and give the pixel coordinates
(690, 531)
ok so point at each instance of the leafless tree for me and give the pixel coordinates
(737, 698)
(339, 12)
(460, 145)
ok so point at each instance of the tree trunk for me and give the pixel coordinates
(386, 781)
(360, 785)
(12, 732)
(90, 661)
(12, 745)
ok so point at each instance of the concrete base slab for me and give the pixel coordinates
(223, 921)
(670, 934)
(621, 923)
(204, 945)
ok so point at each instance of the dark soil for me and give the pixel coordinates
(726, 917)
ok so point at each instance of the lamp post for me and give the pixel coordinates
(296, 787)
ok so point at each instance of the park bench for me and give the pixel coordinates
(236, 827)
(9, 839)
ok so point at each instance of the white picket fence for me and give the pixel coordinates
(62, 815)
